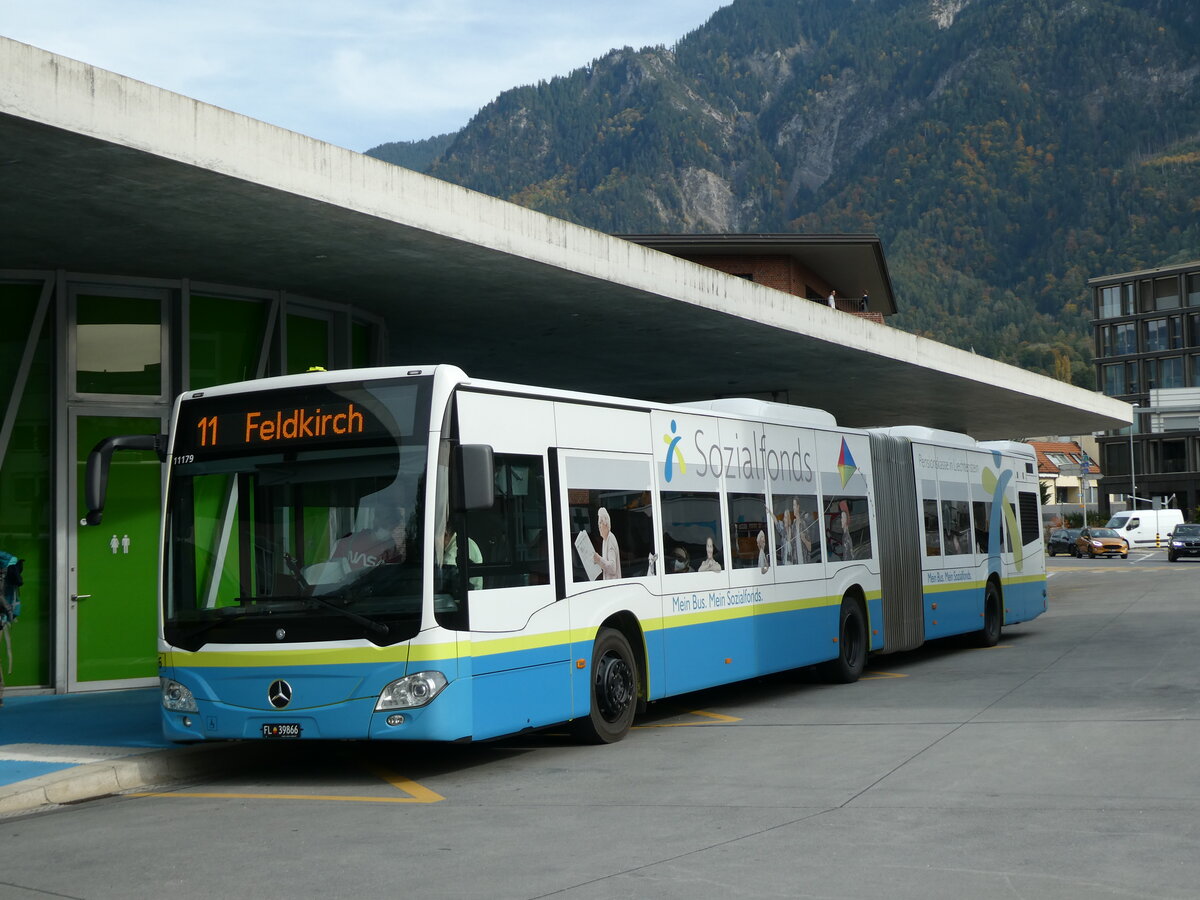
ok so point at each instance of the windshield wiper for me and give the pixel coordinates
(298, 573)
(310, 602)
(369, 624)
(224, 615)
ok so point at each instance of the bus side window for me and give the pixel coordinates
(982, 511)
(511, 536)
(956, 527)
(748, 529)
(848, 528)
(933, 535)
(611, 530)
(692, 532)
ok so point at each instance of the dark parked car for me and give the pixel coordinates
(1062, 540)
(1183, 541)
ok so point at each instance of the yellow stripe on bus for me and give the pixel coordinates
(467, 646)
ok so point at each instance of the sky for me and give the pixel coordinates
(356, 73)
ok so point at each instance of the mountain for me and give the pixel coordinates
(1004, 150)
(417, 155)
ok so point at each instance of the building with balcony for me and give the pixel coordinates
(1147, 332)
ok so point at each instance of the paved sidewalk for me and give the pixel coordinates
(65, 748)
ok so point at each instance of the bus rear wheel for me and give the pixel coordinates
(852, 644)
(613, 690)
(989, 634)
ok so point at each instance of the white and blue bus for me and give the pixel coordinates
(412, 554)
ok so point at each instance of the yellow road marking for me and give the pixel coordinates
(716, 717)
(416, 793)
(876, 676)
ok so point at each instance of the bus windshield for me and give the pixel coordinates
(297, 515)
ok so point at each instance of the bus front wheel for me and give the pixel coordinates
(848, 665)
(613, 690)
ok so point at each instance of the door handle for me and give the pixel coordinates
(80, 596)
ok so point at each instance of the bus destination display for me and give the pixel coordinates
(258, 427)
(222, 426)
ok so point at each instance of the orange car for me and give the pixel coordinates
(1095, 542)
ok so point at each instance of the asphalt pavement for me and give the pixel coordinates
(58, 749)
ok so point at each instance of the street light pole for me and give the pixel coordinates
(1132, 469)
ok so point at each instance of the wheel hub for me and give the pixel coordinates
(614, 686)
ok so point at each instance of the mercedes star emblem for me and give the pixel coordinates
(279, 693)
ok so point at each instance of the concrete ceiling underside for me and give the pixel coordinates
(74, 202)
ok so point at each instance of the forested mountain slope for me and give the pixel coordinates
(1004, 150)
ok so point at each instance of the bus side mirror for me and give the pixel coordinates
(98, 461)
(478, 477)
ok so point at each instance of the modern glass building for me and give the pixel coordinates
(88, 356)
(1147, 330)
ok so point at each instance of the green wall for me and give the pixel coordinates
(26, 492)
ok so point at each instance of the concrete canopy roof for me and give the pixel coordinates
(103, 174)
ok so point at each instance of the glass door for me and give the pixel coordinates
(113, 567)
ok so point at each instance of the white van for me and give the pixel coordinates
(1146, 528)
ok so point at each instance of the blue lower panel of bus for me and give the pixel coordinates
(338, 701)
(793, 639)
(335, 702)
(728, 650)
(953, 612)
(961, 612)
(1024, 600)
(519, 699)
(699, 656)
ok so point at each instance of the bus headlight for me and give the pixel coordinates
(176, 697)
(411, 691)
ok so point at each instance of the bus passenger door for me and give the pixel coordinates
(954, 598)
(518, 630)
(508, 557)
(609, 554)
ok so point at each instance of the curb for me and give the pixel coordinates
(101, 779)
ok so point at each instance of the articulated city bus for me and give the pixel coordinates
(412, 554)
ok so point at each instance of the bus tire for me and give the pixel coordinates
(989, 634)
(848, 665)
(613, 690)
